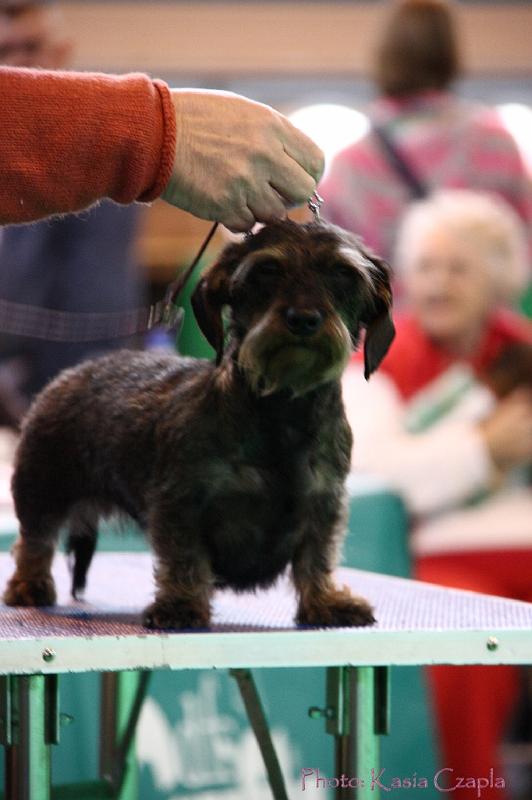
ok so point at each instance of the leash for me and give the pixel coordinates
(166, 312)
(20, 319)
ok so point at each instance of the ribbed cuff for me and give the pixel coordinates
(166, 163)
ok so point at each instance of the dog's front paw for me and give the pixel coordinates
(176, 615)
(339, 608)
(35, 592)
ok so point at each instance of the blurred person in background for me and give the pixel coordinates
(433, 423)
(83, 262)
(445, 141)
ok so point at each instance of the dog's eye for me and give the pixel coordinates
(266, 273)
(342, 278)
(343, 284)
(261, 273)
(267, 269)
(344, 271)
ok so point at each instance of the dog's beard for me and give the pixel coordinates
(276, 361)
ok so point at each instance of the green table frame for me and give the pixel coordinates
(418, 624)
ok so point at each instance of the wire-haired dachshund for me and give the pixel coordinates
(235, 469)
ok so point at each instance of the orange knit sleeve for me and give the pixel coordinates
(69, 139)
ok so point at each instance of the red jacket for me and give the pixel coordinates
(69, 139)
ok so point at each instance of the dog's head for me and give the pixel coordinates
(299, 296)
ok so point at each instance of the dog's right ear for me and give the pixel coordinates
(212, 294)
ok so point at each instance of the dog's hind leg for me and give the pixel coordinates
(42, 506)
(80, 546)
(32, 583)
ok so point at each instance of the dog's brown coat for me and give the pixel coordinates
(235, 470)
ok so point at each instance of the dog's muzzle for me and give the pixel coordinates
(297, 349)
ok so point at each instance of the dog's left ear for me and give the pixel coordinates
(380, 330)
(211, 295)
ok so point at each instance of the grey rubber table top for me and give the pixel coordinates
(418, 623)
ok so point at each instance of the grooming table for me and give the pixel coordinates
(417, 624)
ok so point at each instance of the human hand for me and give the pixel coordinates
(237, 161)
(507, 431)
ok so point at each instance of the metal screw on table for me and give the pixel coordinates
(321, 713)
(492, 643)
(48, 654)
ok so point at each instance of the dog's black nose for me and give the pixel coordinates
(304, 321)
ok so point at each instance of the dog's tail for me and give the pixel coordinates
(80, 546)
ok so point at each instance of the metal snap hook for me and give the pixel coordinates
(315, 202)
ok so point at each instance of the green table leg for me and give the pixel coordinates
(29, 727)
(260, 727)
(369, 721)
(356, 714)
(121, 701)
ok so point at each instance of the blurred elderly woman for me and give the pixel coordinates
(431, 424)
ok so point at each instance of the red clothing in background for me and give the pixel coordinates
(472, 704)
(69, 139)
(414, 361)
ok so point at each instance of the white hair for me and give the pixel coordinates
(484, 221)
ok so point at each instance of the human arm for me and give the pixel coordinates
(433, 470)
(75, 138)
(507, 431)
(71, 139)
(496, 163)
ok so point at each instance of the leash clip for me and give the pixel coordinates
(315, 202)
(166, 314)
